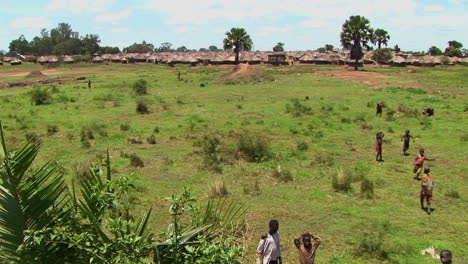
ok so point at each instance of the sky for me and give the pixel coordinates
(299, 24)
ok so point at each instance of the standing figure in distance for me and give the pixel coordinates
(268, 250)
(379, 137)
(406, 140)
(379, 109)
(427, 186)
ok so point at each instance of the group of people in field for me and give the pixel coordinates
(307, 243)
(427, 181)
(269, 249)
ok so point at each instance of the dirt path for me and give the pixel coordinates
(371, 78)
(53, 72)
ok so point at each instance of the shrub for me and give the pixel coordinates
(52, 129)
(341, 181)
(142, 108)
(124, 127)
(40, 96)
(382, 55)
(151, 139)
(297, 108)
(360, 171)
(453, 194)
(210, 147)
(324, 159)
(254, 146)
(302, 146)
(141, 87)
(217, 190)
(367, 188)
(82, 171)
(283, 175)
(345, 120)
(253, 188)
(372, 243)
(407, 111)
(136, 161)
(156, 129)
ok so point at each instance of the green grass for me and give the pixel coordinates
(339, 131)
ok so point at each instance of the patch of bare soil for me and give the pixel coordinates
(370, 78)
(38, 82)
(245, 72)
(53, 72)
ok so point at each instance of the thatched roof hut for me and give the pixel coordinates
(48, 59)
(97, 59)
(68, 59)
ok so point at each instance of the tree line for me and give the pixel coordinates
(62, 40)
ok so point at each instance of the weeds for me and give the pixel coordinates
(341, 181)
(52, 129)
(302, 146)
(367, 188)
(142, 107)
(40, 96)
(124, 127)
(140, 87)
(151, 140)
(372, 243)
(253, 188)
(296, 108)
(210, 147)
(407, 111)
(254, 147)
(136, 161)
(156, 130)
(218, 190)
(33, 137)
(283, 175)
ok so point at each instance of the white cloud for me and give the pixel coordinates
(268, 30)
(113, 18)
(33, 23)
(185, 29)
(434, 8)
(119, 29)
(316, 23)
(79, 6)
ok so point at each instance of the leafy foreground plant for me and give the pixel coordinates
(42, 221)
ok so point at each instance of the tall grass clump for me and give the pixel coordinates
(136, 161)
(408, 111)
(140, 87)
(210, 146)
(254, 146)
(218, 190)
(372, 243)
(341, 181)
(367, 188)
(40, 96)
(283, 175)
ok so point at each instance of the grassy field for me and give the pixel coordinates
(314, 140)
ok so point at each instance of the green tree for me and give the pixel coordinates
(279, 47)
(213, 48)
(455, 44)
(90, 43)
(165, 47)
(139, 48)
(381, 37)
(20, 46)
(434, 51)
(396, 48)
(453, 52)
(356, 34)
(329, 47)
(382, 55)
(182, 49)
(109, 50)
(239, 40)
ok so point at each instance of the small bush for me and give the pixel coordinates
(217, 190)
(390, 130)
(302, 146)
(296, 108)
(407, 111)
(141, 87)
(82, 171)
(151, 139)
(367, 188)
(136, 161)
(360, 171)
(210, 147)
(283, 175)
(40, 96)
(345, 120)
(254, 146)
(52, 129)
(253, 188)
(372, 244)
(341, 181)
(453, 194)
(324, 159)
(124, 127)
(142, 107)
(156, 130)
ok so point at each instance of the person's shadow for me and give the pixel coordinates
(425, 210)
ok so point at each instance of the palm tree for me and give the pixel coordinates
(29, 199)
(381, 37)
(356, 33)
(238, 39)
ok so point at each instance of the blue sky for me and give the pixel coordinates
(300, 24)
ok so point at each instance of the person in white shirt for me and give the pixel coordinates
(268, 250)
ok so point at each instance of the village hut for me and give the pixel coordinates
(415, 60)
(15, 62)
(307, 58)
(42, 59)
(117, 58)
(68, 59)
(398, 61)
(277, 59)
(8, 59)
(322, 58)
(97, 59)
(106, 57)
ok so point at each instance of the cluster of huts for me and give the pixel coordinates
(338, 57)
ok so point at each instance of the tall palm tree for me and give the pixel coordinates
(356, 33)
(381, 37)
(238, 39)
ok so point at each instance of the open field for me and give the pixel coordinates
(336, 134)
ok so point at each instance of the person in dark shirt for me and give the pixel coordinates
(379, 109)
(406, 142)
(379, 137)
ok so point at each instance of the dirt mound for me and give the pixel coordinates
(35, 74)
(245, 73)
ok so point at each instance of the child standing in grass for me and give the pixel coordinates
(307, 249)
(406, 140)
(427, 186)
(379, 137)
(379, 109)
(418, 165)
(268, 250)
